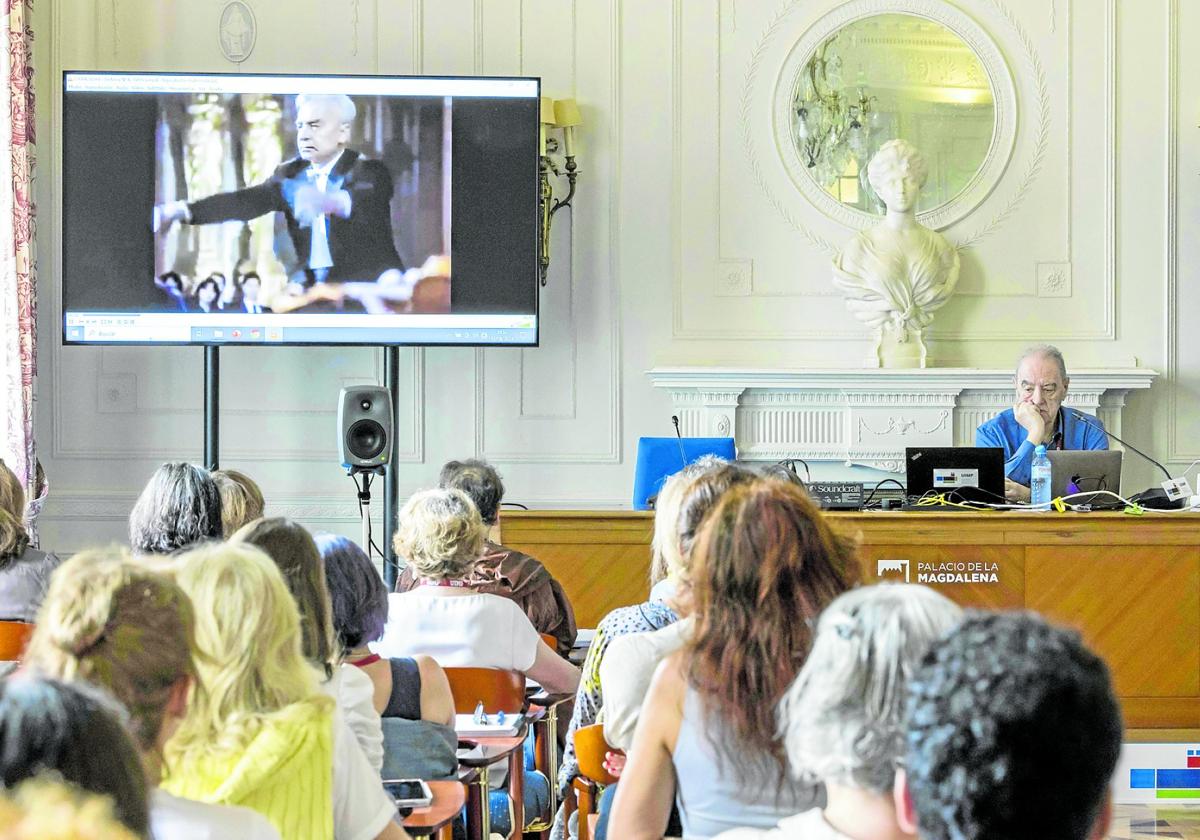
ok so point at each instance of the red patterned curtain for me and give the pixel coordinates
(17, 270)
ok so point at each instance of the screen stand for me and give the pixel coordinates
(391, 478)
(212, 407)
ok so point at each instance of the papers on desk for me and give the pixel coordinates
(466, 727)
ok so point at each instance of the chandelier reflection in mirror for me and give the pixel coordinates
(837, 129)
(886, 76)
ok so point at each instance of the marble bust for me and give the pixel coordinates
(896, 274)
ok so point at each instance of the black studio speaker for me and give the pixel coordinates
(364, 426)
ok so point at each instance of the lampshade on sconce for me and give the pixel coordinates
(554, 115)
(566, 117)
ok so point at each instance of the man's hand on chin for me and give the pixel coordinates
(1015, 492)
(1031, 421)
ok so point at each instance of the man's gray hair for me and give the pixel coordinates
(842, 720)
(343, 103)
(1048, 351)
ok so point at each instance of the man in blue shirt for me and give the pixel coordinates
(1037, 417)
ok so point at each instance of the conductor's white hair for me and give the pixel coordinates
(1047, 351)
(344, 104)
(842, 720)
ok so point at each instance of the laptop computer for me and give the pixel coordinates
(1088, 469)
(970, 473)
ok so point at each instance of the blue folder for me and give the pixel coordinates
(659, 457)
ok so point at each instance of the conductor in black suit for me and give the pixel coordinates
(335, 201)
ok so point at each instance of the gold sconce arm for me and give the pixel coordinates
(556, 115)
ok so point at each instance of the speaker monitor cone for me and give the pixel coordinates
(364, 426)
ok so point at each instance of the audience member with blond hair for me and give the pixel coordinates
(843, 718)
(441, 535)
(24, 571)
(76, 733)
(241, 500)
(764, 565)
(670, 598)
(42, 809)
(112, 622)
(179, 507)
(261, 733)
(501, 570)
(296, 554)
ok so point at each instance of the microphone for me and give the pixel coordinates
(1155, 497)
(679, 439)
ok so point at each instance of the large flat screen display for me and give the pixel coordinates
(260, 209)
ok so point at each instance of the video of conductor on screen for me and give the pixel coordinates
(239, 209)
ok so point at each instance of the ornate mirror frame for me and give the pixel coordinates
(1004, 96)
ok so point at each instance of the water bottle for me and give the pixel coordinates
(1039, 480)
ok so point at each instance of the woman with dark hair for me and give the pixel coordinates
(764, 565)
(24, 571)
(296, 554)
(77, 733)
(179, 507)
(207, 293)
(414, 688)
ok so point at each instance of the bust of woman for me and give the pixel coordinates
(896, 274)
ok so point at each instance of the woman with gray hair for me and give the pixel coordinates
(440, 534)
(843, 718)
(179, 507)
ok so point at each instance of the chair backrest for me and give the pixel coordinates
(590, 748)
(550, 641)
(14, 636)
(499, 690)
(418, 749)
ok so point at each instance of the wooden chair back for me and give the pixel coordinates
(498, 689)
(550, 641)
(14, 636)
(590, 748)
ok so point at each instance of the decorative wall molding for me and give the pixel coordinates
(865, 417)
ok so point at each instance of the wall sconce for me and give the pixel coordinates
(555, 115)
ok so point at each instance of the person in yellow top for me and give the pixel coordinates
(260, 733)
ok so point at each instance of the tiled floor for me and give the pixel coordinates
(1131, 822)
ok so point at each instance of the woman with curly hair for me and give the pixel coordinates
(764, 565)
(440, 534)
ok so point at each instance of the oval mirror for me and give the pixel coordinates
(862, 76)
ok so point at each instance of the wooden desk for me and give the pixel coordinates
(448, 800)
(1130, 584)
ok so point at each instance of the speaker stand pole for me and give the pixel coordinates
(212, 407)
(391, 478)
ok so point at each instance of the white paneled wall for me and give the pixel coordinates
(688, 243)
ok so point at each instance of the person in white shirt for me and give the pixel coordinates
(843, 717)
(441, 535)
(296, 554)
(94, 610)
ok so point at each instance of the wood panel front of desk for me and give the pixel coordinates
(1130, 584)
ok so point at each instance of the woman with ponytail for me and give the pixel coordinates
(24, 571)
(114, 623)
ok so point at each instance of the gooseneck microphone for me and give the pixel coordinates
(1083, 418)
(679, 439)
(1155, 497)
